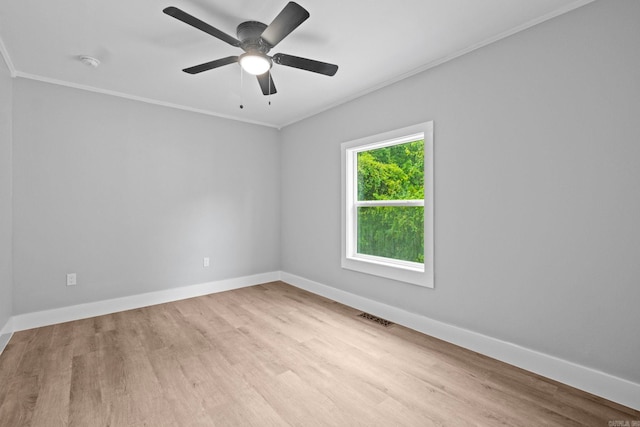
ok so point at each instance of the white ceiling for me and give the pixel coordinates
(142, 50)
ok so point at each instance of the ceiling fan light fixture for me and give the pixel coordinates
(255, 63)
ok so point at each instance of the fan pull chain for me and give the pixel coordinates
(241, 87)
(269, 87)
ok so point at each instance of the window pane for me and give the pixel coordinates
(392, 232)
(392, 173)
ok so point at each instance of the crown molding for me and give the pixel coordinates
(553, 14)
(152, 101)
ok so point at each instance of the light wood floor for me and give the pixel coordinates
(269, 355)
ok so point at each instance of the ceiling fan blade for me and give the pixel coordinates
(305, 64)
(287, 20)
(202, 26)
(266, 83)
(211, 65)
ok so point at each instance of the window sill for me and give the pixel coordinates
(412, 273)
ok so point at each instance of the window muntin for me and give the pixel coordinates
(388, 204)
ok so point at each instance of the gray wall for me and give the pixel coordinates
(537, 192)
(132, 196)
(6, 284)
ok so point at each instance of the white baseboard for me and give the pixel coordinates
(4, 340)
(37, 319)
(596, 382)
(590, 380)
(5, 334)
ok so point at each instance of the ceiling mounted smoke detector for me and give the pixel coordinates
(89, 60)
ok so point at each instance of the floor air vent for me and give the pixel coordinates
(373, 318)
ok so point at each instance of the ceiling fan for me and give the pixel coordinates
(257, 39)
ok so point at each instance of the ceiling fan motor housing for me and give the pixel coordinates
(249, 35)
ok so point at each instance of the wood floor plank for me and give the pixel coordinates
(52, 405)
(86, 404)
(270, 355)
(9, 359)
(17, 407)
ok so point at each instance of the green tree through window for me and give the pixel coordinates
(394, 173)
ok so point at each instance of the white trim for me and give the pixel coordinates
(7, 59)
(4, 340)
(402, 203)
(395, 263)
(5, 334)
(590, 380)
(8, 327)
(135, 98)
(98, 308)
(553, 14)
(420, 274)
(386, 139)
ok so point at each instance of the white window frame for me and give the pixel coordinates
(421, 274)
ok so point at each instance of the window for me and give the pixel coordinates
(387, 223)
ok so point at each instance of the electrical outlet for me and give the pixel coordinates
(205, 262)
(71, 279)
